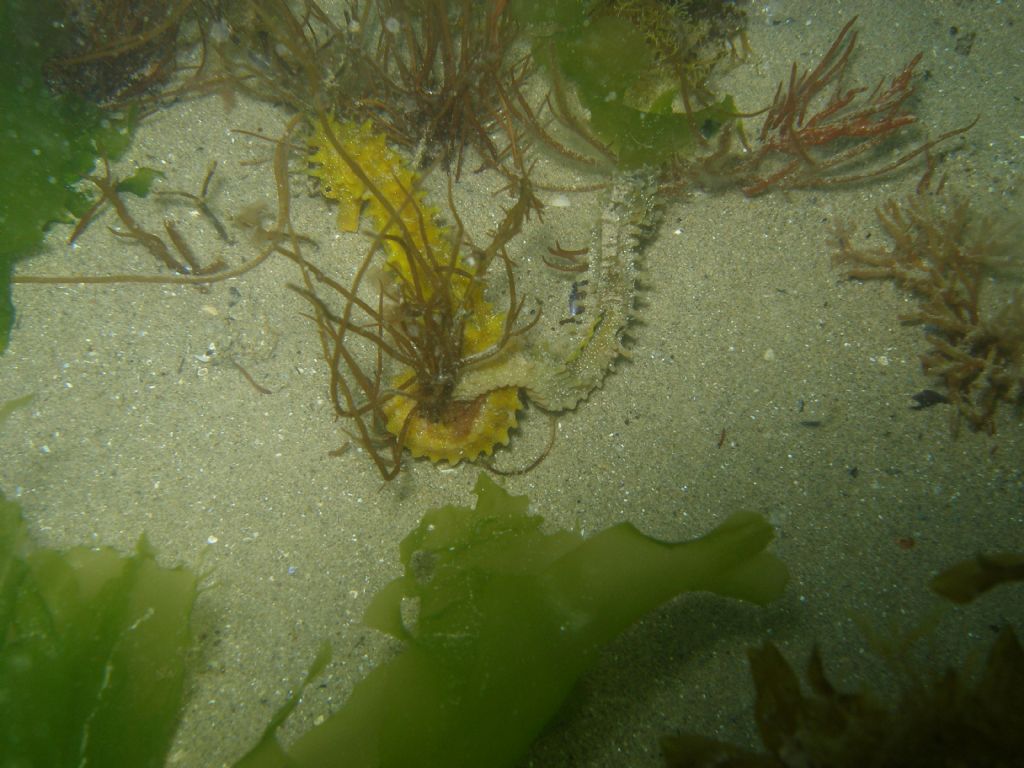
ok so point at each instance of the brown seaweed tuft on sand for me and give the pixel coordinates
(820, 132)
(944, 253)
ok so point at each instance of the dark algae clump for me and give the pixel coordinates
(952, 722)
(966, 580)
(949, 718)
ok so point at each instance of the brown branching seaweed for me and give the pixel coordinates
(818, 132)
(943, 253)
(272, 240)
(972, 715)
(434, 76)
(280, 51)
(955, 719)
(117, 50)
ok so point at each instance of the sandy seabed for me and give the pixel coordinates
(759, 378)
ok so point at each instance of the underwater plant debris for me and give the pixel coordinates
(432, 75)
(953, 718)
(953, 722)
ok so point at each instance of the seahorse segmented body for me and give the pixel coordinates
(369, 179)
(626, 222)
(559, 372)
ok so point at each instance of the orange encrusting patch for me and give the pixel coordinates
(462, 429)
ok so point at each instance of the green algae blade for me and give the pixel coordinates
(507, 618)
(92, 659)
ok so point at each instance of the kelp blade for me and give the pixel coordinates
(93, 656)
(507, 619)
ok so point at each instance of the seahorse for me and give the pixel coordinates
(384, 190)
(560, 373)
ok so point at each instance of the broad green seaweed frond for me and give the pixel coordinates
(499, 620)
(92, 652)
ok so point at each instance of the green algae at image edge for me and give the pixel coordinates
(507, 618)
(48, 141)
(93, 652)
